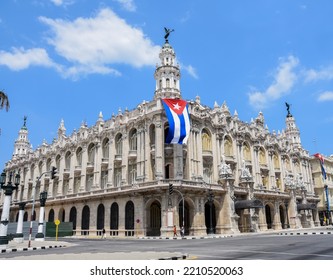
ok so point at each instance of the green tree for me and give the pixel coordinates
(4, 101)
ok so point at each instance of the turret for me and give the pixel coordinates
(167, 74)
(22, 145)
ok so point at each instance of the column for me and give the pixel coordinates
(19, 231)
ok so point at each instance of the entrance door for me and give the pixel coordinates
(155, 220)
(268, 216)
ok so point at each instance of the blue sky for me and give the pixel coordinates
(71, 59)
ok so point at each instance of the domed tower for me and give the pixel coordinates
(167, 73)
(22, 145)
(292, 131)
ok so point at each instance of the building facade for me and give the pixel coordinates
(230, 177)
(323, 188)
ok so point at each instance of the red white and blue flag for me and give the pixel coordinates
(321, 160)
(179, 120)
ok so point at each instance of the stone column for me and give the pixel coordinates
(19, 231)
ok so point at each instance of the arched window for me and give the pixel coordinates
(262, 156)
(79, 156)
(246, 152)
(276, 161)
(119, 144)
(91, 153)
(228, 150)
(206, 141)
(68, 160)
(133, 140)
(152, 135)
(105, 148)
(58, 157)
(167, 82)
(48, 164)
(40, 168)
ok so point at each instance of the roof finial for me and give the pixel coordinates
(167, 33)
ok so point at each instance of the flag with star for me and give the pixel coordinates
(321, 160)
(179, 120)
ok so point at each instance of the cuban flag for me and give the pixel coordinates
(321, 160)
(179, 120)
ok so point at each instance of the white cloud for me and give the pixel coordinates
(62, 2)
(128, 5)
(284, 80)
(93, 44)
(326, 96)
(317, 75)
(190, 70)
(20, 59)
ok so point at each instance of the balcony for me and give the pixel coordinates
(132, 154)
(105, 162)
(118, 158)
(77, 170)
(207, 154)
(90, 167)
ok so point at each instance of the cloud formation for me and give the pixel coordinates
(326, 96)
(128, 5)
(95, 43)
(62, 2)
(20, 59)
(284, 80)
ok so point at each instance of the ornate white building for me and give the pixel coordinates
(231, 176)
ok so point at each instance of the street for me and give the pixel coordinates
(242, 247)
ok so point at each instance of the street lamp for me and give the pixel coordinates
(40, 235)
(210, 200)
(9, 188)
(286, 205)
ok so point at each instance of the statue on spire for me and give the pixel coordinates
(167, 33)
(288, 110)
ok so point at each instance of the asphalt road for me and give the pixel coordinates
(256, 247)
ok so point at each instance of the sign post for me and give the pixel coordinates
(57, 223)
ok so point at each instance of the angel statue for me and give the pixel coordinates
(167, 33)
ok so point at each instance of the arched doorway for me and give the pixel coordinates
(51, 216)
(129, 218)
(72, 217)
(268, 216)
(25, 217)
(282, 217)
(114, 219)
(187, 218)
(154, 223)
(210, 217)
(61, 215)
(85, 220)
(100, 218)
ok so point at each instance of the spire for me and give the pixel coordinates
(167, 73)
(61, 129)
(22, 145)
(292, 131)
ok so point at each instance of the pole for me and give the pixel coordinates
(32, 214)
(183, 223)
(33, 205)
(328, 204)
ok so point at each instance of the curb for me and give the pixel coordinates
(183, 257)
(185, 238)
(30, 249)
(305, 233)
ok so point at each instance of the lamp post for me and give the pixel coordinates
(286, 205)
(9, 188)
(210, 200)
(40, 235)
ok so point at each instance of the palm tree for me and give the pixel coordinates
(4, 101)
